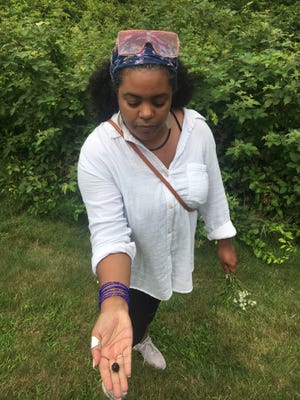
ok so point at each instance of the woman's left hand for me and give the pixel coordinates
(227, 255)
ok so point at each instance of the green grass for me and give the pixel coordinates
(214, 350)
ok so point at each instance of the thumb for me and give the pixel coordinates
(95, 350)
(96, 355)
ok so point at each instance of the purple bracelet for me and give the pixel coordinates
(110, 289)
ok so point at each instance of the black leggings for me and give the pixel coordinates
(142, 310)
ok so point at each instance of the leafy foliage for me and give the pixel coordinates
(42, 113)
(245, 60)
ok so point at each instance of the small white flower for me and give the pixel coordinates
(240, 297)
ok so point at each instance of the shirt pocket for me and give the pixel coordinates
(197, 183)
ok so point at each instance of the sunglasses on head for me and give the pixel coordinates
(131, 42)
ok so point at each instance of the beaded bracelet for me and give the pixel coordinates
(110, 289)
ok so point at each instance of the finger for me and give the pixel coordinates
(119, 378)
(95, 350)
(104, 368)
(232, 268)
(127, 361)
(122, 374)
(96, 355)
(226, 268)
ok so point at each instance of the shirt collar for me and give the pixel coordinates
(127, 135)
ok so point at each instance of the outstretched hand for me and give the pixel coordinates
(113, 329)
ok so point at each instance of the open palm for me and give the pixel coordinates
(114, 330)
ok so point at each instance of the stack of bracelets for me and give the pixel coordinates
(111, 289)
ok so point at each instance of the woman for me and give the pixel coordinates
(142, 235)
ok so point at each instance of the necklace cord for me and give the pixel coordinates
(169, 133)
(164, 142)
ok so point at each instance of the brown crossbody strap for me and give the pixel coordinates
(151, 166)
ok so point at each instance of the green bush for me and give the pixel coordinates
(42, 110)
(249, 88)
(245, 60)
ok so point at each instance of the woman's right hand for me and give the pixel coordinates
(114, 331)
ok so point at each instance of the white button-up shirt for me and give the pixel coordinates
(131, 211)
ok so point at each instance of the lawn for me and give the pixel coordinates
(214, 349)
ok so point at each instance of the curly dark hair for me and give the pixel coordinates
(103, 90)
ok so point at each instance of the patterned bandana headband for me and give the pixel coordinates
(139, 47)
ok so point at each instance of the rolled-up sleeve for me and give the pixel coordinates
(108, 225)
(215, 212)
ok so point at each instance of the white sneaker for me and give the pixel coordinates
(151, 354)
